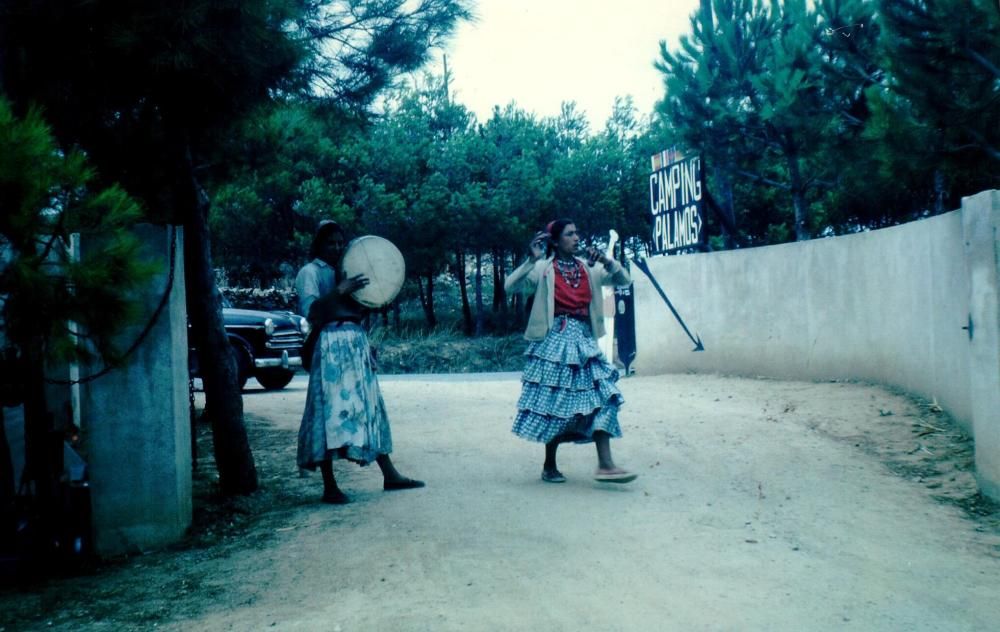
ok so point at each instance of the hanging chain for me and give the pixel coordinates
(145, 331)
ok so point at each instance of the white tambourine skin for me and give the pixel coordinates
(379, 260)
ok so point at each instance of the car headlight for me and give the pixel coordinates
(304, 326)
(268, 326)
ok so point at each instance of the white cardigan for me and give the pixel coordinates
(538, 277)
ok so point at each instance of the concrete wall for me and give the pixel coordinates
(981, 229)
(887, 306)
(136, 422)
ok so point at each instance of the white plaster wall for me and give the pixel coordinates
(981, 221)
(887, 306)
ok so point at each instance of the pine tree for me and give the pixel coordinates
(705, 108)
(943, 59)
(297, 168)
(771, 96)
(45, 195)
(148, 88)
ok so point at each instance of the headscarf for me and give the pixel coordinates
(323, 230)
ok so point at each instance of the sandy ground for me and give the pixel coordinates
(761, 505)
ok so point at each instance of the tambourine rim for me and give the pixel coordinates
(398, 285)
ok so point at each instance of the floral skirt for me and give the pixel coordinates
(345, 416)
(568, 388)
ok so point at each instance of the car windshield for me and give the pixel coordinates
(225, 302)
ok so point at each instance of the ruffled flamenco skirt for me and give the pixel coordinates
(568, 388)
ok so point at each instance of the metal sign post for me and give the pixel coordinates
(678, 201)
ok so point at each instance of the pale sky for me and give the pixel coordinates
(542, 52)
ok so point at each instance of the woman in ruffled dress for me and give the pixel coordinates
(569, 390)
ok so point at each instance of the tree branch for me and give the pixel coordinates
(982, 61)
(57, 233)
(984, 144)
(851, 118)
(762, 179)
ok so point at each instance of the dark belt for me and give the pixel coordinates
(345, 321)
(566, 317)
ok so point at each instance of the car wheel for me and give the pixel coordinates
(275, 379)
(243, 364)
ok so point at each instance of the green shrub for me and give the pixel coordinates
(446, 350)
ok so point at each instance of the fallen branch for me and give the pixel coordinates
(930, 426)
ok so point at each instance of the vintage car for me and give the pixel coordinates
(267, 345)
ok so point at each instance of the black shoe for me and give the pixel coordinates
(553, 476)
(404, 483)
(336, 497)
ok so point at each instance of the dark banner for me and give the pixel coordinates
(625, 326)
(675, 202)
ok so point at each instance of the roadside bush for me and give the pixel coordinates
(446, 350)
(409, 347)
(270, 299)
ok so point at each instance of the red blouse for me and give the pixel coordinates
(569, 299)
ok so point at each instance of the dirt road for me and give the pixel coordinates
(761, 505)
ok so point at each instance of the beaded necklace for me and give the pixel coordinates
(570, 272)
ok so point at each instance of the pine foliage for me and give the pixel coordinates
(45, 196)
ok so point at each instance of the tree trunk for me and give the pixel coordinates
(422, 294)
(798, 199)
(938, 192)
(7, 523)
(11, 394)
(479, 293)
(223, 401)
(42, 465)
(432, 320)
(499, 294)
(729, 208)
(497, 301)
(466, 310)
(517, 303)
(499, 276)
(427, 300)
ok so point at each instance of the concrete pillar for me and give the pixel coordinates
(981, 228)
(135, 420)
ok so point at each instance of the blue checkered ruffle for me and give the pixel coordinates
(568, 388)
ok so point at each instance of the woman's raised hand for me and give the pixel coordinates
(537, 245)
(594, 254)
(352, 284)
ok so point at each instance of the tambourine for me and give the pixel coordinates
(379, 260)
